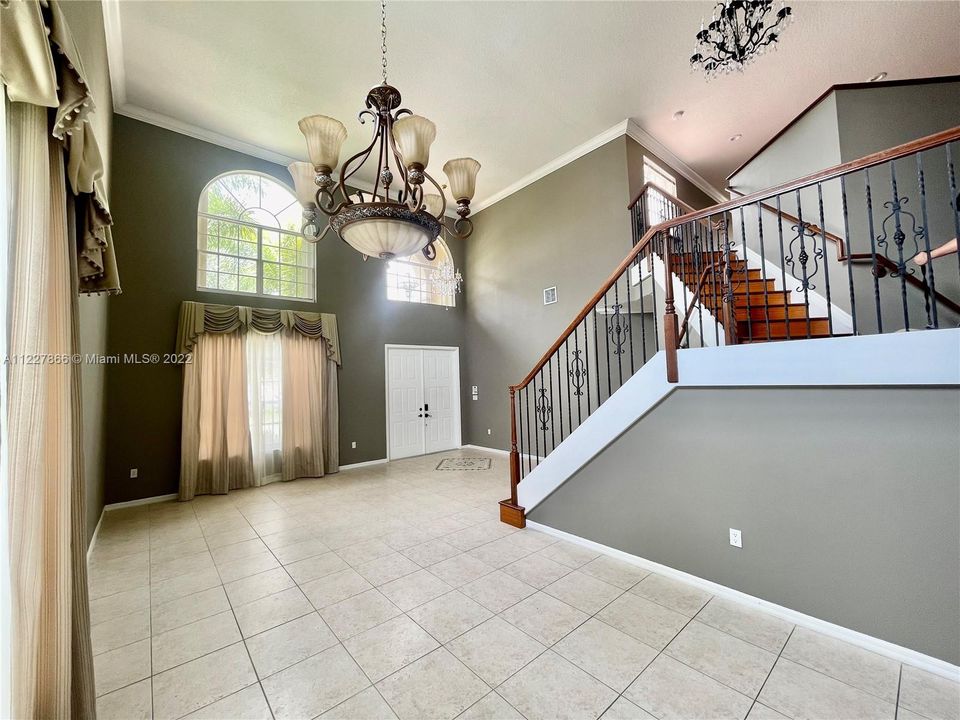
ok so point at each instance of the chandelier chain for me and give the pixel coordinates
(383, 37)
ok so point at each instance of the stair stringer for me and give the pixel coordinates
(862, 361)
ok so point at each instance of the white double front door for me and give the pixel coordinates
(423, 400)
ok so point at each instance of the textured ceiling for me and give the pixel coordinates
(514, 84)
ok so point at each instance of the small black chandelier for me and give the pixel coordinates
(739, 31)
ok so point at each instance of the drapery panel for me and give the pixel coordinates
(51, 657)
(199, 318)
(260, 397)
(216, 455)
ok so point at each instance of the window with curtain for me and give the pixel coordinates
(410, 279)
(249, 242)
(657, 205)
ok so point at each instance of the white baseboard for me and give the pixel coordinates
(368, 463)
(140, 501)
(867, 642)
(96, 533)
(498, 451)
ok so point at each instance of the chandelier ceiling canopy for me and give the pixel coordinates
(738, 33)
(399, 217)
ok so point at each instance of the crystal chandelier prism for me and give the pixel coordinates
(399, 217)
(446, 279)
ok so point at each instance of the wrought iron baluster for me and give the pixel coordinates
(596, 355)
(717, 266)
(536, 409)
(576, 376)
(629, 319)
(606, 345)
(849, 248)
(746, 281)
(586, 366)
(618, 331)
(653, 293)
(763, 275)
(787, 294)
(952, 178)
(826, 260)
(929, 284)
(566, 354)
(526, 392)
(643, 317)
(702, 264)
(553, 435)
(803, 256)
(899, 238)
(520, 432)
(873, 249)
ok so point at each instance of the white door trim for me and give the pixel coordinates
(458, 435)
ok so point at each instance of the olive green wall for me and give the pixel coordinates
(157, 179)
(85, 19)
(569, 229)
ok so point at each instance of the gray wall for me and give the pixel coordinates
(847, 500)
(569, 229)
(158, 177)
(86, 23)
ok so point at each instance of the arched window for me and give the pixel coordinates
(413, 279)
(248, 239)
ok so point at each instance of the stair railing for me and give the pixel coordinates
(776, 282)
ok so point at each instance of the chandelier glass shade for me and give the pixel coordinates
(398, 217)
(738, 33)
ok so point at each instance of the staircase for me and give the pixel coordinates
(747, 271)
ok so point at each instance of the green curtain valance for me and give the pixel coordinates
(198, 318)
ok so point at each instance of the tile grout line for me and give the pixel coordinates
(770, 671)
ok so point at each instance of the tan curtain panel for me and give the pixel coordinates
(310, 444)
(51, 658)
(40, 65)
(199, 318)
(216, 455)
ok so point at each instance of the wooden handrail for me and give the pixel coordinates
(842, 255)
(607, 284)
(868, 161)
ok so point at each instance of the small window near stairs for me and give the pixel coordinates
(656, 175)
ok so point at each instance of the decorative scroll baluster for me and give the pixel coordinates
(553, 435)
(606, 345)
(952, 179)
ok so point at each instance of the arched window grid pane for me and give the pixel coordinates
(410, 279)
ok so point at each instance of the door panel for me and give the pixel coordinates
(406, 398)
(439, 388)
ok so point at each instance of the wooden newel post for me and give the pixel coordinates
(510, 512)
(671, 335)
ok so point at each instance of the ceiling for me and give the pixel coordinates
(518, 85)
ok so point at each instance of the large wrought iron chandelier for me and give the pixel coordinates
(739, 32)
(398, 218)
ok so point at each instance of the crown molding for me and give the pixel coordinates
(568, 157)
(648, 141)
(114, 38)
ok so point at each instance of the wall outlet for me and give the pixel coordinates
(489, 431)
(354, 444)
(735, 539)
(133, 472)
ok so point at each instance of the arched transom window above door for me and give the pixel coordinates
(248, 239)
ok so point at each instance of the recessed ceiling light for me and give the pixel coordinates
(736, 137)
(678, 114)
(878, 76)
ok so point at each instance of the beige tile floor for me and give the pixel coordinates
(394, 592)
